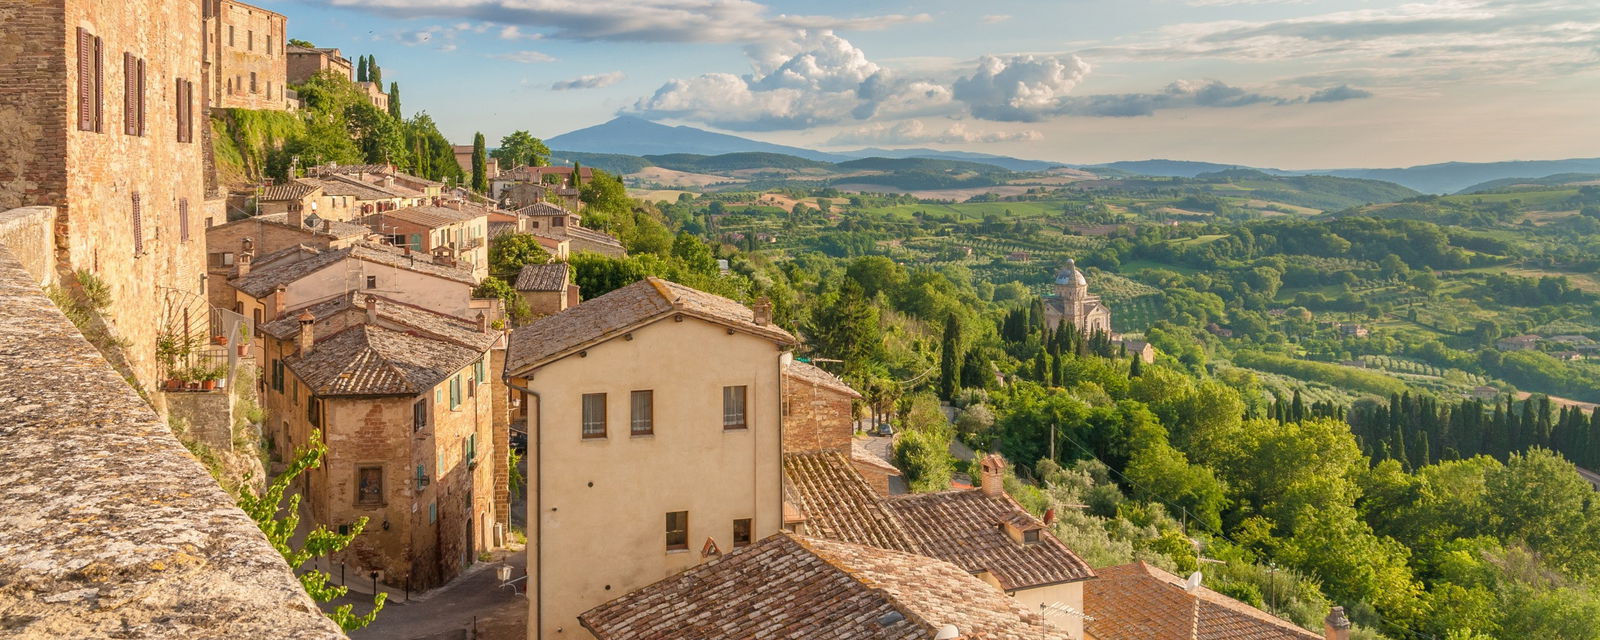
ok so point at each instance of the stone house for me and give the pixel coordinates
(463, 154)
(1133, 601)
(555, 181)
(547, 288)
(691, 462)
(819, 415)
(375, 94)
(1518, 343)
(305, 198)
(300, 275)
(1143, 349)
(105, 124)
(245, 58)
(461, 234)
(265, 234)
(549, 221)
(361, 199)
(404, 402)
(302, 63)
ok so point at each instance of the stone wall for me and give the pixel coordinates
(30, 233)
(248, 43)
(108, 527)
(209, 415)
(816, 417)
(33, 103)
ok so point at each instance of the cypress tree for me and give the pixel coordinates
(1299, 407)
(480, 166)
(1136, 368)
(373, 72)
(1041, 368)
(361, 70)
(394, 100)
(577, 175)
(950, 358)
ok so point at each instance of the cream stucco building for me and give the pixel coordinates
(653, 415)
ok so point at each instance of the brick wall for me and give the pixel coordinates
(30, 234)
(240, 36)
(817, 417)
(33, 103)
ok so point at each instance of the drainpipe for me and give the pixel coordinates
(537, 505)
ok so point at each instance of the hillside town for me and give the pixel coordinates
(461, 396)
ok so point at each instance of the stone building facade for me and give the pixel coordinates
(302, 63)
(403, 398)
(103, 122)
(245, 58)
(1072, 303)
(817, 411)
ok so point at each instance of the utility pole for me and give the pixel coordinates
(1052, 442)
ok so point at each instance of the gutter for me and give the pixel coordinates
(538, 504)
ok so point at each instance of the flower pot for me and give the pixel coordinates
(174, 384)
(244, 350)
(221, 340)
(207, 385)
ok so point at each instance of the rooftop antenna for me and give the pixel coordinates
(1193, 582)
(1063, 609)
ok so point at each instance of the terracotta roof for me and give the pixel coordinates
(544, 208)
(333, 228)
(341, 186)
(426, 216)
(291, 190)
(609, 315)
(585, 240)
(542, 277)
(352, 309)
(790, 586)
(963, 527)
(1140, 602)
(497, 228)
(859, 453)
(366, 360)
(263, 279)
(838, 504)
(813, 374)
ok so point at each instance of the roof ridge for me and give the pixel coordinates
(665, 292)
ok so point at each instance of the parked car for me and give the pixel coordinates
(884, 429)
(519, 442)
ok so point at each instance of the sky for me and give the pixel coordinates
(1291, 84)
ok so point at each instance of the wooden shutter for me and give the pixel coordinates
(139, 99)
(183, 219)
(86, 88)
(138, 226)
(177, 102)
(127, 93)
(99, 85)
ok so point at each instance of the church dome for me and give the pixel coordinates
(1070, 275)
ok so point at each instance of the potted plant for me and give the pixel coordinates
(208, 376)
(244, 340)
(170, 348)
(221, 341)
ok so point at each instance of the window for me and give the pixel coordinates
(89, 77)
(184, 99)
(230, 35)
(249, 40)
(422, 476)
(558, 221)
(741, 532)
(222, 259)
(455, 392)
(269, 44)
(372, 282)
(594, 415)
(1030, 536)
(419, 415)
(138, 226)
(253, 82)
(481, 370)
(183, 219)
(132, 94)
(314, 411)
(534, 224)
(369, 486)
(677, 530)
(277, 375)
(733, 407)
(471, 450)
(643, 415)
(433, 512)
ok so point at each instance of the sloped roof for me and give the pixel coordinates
(796, 587)
(341, 186)
(427, 216)
(586, 240)
(838, 504)
(462, 331)
(813, 374)
(859, 453)
(291, 190)
(1140, 602)
(544, 208)
(609, 315)
(542, 277)
(366, 360)
(262, 280)
(963, 527)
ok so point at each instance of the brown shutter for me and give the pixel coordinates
(188, 111)
(99, 85)
(138, 226)
(128, 118)
(183, 219)
(177, 110)
(85, 80)
(139, 99)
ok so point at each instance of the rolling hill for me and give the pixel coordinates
(628, 135)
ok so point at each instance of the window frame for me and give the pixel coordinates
(681, 533)
(648, 419)
(749, 532)
(589, 419)
(419, 415)
(743, 413)
(360, 498)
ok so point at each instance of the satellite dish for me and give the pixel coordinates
(947, 632)
(1193, 581)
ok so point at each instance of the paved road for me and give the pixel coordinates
(448, 611)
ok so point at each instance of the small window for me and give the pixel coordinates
(534, 224)
(677, 530)
(372, 282)
(419, 415)
(1030, 536)
(422, 476)
(472, 447)
(183, 219)
(138, 225)
(741, 532)
(230, 35)
(314, 411)
(249, 40)
(433, 512)
(558, 221)
(369, 486)
(253, 82)
(90, 69)
(455, 392)
(733, 416)
(642, 418)
(594, 415)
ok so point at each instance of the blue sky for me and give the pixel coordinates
(1281, 83)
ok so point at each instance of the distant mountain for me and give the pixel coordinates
(698, 163)
(614, 163)
(1004, 162)
(628, 135)
(1174, 168)
(1557, 180)
(919, 164)
(1451, 177)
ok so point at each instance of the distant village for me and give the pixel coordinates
(686, 475)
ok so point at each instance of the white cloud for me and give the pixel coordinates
(907, 132)
(589, 81)
(524, 57)
(634, 20)
(994, 18)
(514, 32)
(1021, 88)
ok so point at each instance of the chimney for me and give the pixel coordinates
(295, 218)
(247, 253)
(483, 322)
(993, 480)
(1049, 516)
(305, 341)
(388, 181)
(763, 311)
(372, 309)
(277, 301)
(1336, 626)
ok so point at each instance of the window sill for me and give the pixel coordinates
(738, 428)
(599, 438)
(673, 551)
(643, 434)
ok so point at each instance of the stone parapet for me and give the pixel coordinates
(30, 234)
(108, 527)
